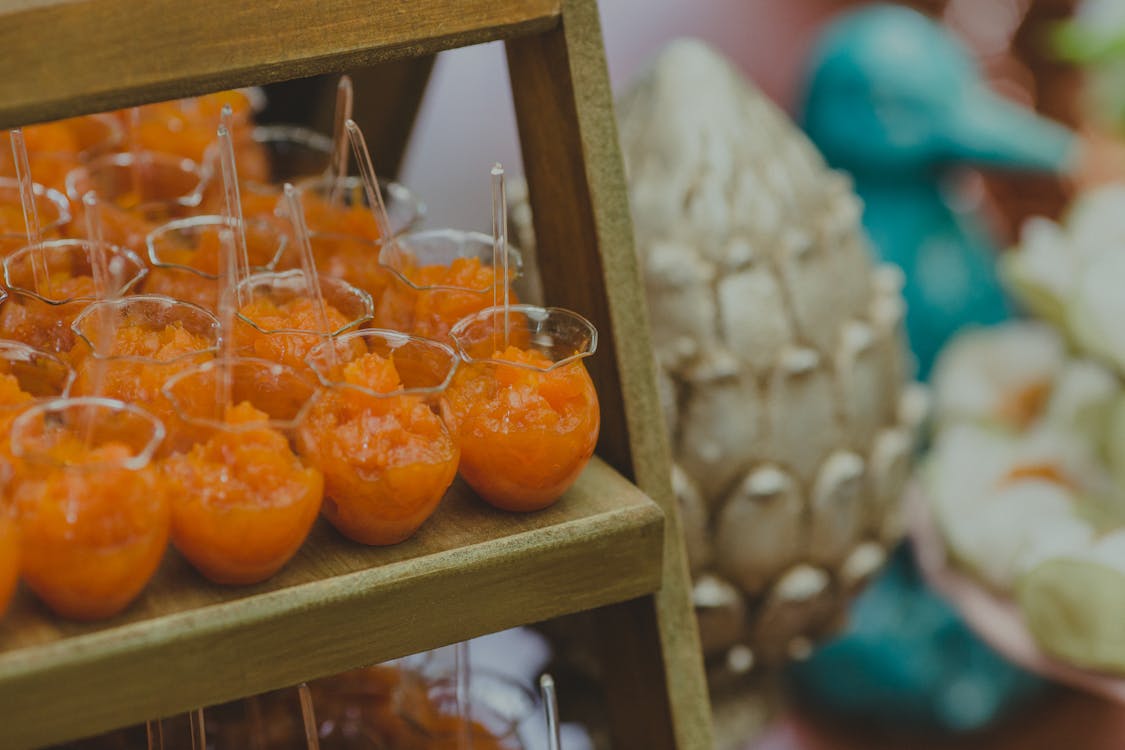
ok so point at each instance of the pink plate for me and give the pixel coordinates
(995, 619)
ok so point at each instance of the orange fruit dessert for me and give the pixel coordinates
(354, 220)
(13, 400)
(121, 225)
(10, 392)
(243, 502)
(387, 458)
(53, 149)
(138, 364)
(93, 531)
(52, 137)
(441, 296)
(136, 194)
(11, 219)
(186, 127)
(277, 333)
(53, 214)
(525, 434)
(9, 538)
(185, 258)
(396, 707)
(353, 259)
(41, 324)
(50, 169)
(80, 137)
(43, 375)
(259, 201)
(366, 702)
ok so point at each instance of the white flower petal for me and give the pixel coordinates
(987, 374)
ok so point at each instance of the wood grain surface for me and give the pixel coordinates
(469, 571)
(79, 56)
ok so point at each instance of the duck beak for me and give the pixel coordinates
(988, 130)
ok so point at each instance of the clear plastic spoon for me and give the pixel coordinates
(500, 246)
(308, 260)
(308, 716)
(135, 153)
(95, 234)
(462, 673)
(228, 306)
(551, 710)
(198, 730)
(104, 289)
(232, 203)
(370, 181)
(338, 169)
(39, 273)
(154, 730)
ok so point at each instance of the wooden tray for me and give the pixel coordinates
(337, 605)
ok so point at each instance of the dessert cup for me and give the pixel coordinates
(51, 283)
(242, 501)
(377, 435)
(137, 193)
(184, 256)
(437, 278)
(278, 321)
(134, 345)
(525, 411)
(51, 206)
(94, 514)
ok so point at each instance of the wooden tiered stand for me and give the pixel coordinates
(470, 570)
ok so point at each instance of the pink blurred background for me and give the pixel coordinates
(467, 121)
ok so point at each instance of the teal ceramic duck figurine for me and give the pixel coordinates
(907, 661)
(895, 100)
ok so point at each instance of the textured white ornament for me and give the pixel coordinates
(781, 356)
(780, 342)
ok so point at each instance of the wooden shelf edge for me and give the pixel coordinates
(110, 54)
(159, 667)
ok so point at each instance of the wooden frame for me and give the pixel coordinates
(113, 53)
(336, 606)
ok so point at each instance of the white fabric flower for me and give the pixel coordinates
(1001, 375)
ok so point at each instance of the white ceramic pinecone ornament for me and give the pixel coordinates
(780, 353)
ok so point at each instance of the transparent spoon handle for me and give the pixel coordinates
(39, 273)
(232, 203)
(308, 263)
(370, 181)
(308, 716)
(155, 732)
(228, 309)
(463, 674)
(500, 247)
(338, 169)
(551, 709)
(198, 730)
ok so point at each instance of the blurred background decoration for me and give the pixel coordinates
(895, 100)
(1031, 69)
(1026, 481)
(781, 358)
(1095, 39)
